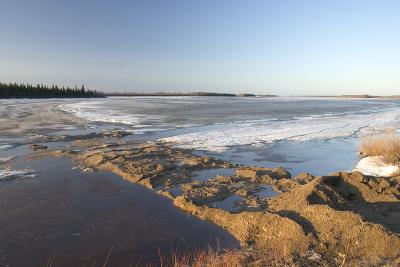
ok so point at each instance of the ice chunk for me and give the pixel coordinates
(375, 166)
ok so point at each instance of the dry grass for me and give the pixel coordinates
(211, 257)
(385, 145)
(275, 256)
(256, 258)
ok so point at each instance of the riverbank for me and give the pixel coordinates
(299, 212)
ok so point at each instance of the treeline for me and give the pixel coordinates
(25, 90)
(169, 94)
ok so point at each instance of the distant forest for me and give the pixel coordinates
(14, 90)
(25, 90)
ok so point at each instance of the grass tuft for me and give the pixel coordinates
(386, 145)
(272, 257)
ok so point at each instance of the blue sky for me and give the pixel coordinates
(271, 47)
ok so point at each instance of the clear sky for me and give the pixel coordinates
(271, 47)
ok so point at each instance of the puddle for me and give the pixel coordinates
(15, 150)
(267, 191)
(175, 191)
(205, 175)
(228, 204)
(318, 157)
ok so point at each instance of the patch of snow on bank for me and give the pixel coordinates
(5, 146)
(8, 174)
(374, 166)
(6, 159)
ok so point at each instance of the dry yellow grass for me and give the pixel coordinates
(204, 258)
(385, 145)
(275, 256)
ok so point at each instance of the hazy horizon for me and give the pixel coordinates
(263, 47)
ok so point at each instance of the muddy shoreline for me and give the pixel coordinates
(321, 214)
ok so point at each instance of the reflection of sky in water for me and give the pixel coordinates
(227, 204)
(315, 157)
(175, 191)
(15, 151)
(267, 191)
(205, 175)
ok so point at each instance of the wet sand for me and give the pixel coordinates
(78, 217)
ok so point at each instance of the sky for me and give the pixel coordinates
(259, 46)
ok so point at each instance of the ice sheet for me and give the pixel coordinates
(300, 129)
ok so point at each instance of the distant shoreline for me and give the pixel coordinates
(187, 94)
(359, 96)
(40, 91)
(29, 91)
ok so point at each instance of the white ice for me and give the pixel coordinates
(5, 146)
(10, 174)
(6, 159)
(301, 129)
(375, 166)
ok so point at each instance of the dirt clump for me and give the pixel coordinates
(257, 174)
(36, 146)
(304, 178)
(255, 229)
(342, 210)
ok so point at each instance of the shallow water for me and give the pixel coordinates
(175, 191)
(228, 204)
(315, 157)
(205, 175)
(80, 216)
(267, 191)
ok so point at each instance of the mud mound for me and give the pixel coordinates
(346, 215)
(256, 229)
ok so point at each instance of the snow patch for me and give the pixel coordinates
(375, 166)
(10, 174)
(5, 146)
(6, 159)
